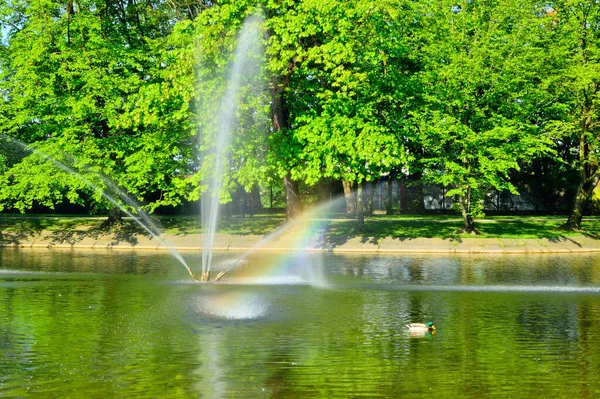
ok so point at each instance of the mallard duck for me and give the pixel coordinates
(420, 328)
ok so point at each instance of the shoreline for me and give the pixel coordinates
(285, 243)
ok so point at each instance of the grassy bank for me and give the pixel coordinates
(376, 226)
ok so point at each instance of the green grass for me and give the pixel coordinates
(257, 224)
(25, 223)
(447, 228)
(442, 226)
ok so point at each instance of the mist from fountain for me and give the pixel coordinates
(248, 44)
(148, 226)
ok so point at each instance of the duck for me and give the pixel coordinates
(421, 328)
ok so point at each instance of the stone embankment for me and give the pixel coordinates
(192, 242)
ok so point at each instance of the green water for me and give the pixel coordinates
(126, 325)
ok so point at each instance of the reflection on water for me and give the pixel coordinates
(126, 324)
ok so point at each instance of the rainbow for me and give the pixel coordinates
(298, 264)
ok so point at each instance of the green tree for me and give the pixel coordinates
(335, 91)
(100, 81)
(574, 84)
(341, 89)
(475, 125)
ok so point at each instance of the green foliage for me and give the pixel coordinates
(219, 30)
(475, 125)
(344, 68)
(466, 94)
(40, 176)
(99, 83)
(574, 84)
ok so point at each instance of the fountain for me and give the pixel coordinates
(241, 71)
(248, 43)
(148, 226)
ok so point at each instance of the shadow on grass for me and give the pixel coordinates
(128, 232)
(256, 225)
(332, 233)
(69, 233)
(340, 232)
(73, 231)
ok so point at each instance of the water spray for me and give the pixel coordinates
(150, 228)
(248, 42)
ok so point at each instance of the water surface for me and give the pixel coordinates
(130, 324)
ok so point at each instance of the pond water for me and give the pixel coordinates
(130, 324)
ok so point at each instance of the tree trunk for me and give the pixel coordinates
(279, 113)
(465, 210)
(292, 198)
(443, 199)
(418, 206)
(360, 216)
(280, 122)
(372, 197)
(403, 197)
(256, 201)
(400, 194)
(243, 204)
(584, 191)
(114, 217)
(589, 172)
(70, 11)
(349, 196)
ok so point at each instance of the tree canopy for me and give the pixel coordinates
(479, 92)
(463, 94)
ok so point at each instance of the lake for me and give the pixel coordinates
(116, 324)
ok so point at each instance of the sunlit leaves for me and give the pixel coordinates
(341, 88)
(106, 86)
(477, 122)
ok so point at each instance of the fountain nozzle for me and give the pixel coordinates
(221, 274)
(205, 276)
(193, 276)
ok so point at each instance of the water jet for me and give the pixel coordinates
(240, 71)
(148, 226)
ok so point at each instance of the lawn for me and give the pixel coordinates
(441, 226)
